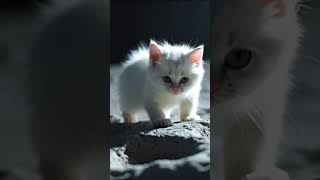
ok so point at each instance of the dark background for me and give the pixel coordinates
(133, 22)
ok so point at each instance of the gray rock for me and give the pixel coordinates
(140, 152)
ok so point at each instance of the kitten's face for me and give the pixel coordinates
(175, 69)
(249, 42)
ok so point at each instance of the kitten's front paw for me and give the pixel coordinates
(163, 123)
(129, 118)
(192, 118)
(275, 174)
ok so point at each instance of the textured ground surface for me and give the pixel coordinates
(139, 152)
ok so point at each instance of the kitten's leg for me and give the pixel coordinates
(157, 115)
(167, 113)
(189, 107)
(240, 143)
(265, 170)
(129, 117)
(265, 167)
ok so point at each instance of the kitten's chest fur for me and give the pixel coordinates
(164, 99)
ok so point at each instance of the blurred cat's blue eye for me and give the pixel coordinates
(238, 58)
(184, 80)
(166, 79)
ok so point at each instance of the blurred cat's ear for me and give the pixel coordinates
(155, 52)
(279, 7)
(196, 55)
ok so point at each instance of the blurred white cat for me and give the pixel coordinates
(254, 45)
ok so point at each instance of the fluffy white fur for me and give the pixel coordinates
(141, 84)
(249, 103)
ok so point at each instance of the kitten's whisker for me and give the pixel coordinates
(238, 121)
(252, 115)
(258, 112)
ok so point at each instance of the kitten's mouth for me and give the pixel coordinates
(175, 90)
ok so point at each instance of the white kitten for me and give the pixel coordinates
(254, 46)
(160, 77)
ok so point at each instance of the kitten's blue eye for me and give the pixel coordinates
(238, 58)
(166, 79)
(184, 80)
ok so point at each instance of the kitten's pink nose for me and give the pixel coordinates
(175, 89)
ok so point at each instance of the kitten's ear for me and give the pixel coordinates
(196, 55)
(279, 7)
(155, 52)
